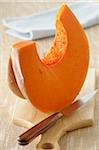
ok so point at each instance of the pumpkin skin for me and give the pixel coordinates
(52, 85)
(12, 80)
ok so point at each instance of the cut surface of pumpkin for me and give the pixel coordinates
(53, 82)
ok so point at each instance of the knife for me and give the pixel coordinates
(47, 123)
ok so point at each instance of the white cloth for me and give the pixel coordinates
(42, 25)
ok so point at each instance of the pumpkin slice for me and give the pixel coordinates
(53, 82)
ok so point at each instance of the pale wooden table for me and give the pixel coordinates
(82, 139)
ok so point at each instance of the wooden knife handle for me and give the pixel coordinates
(38, 129)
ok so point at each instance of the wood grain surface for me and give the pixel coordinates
(25, 115)
(82, 139)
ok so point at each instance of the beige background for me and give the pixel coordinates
(82, 139)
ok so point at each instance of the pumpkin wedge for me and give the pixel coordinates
(53, 82)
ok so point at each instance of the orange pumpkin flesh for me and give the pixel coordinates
(53, 82)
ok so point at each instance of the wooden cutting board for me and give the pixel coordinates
(26, 115)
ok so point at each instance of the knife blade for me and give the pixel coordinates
(26, 137)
